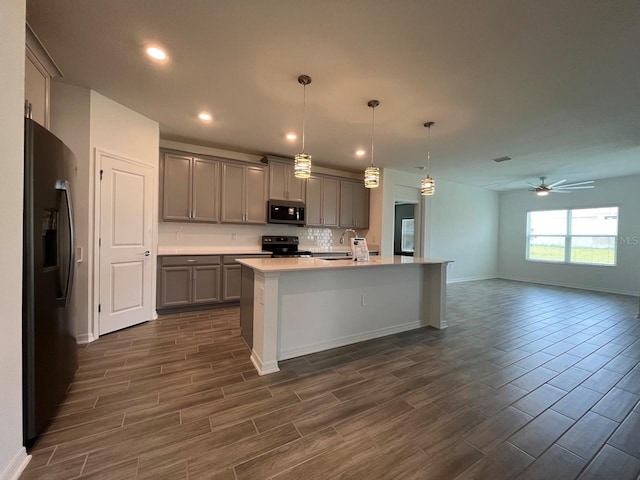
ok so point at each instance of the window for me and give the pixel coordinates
(407, 234)
(587, 236)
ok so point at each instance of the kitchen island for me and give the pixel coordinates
(296, 306)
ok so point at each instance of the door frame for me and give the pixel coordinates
(411, 195)
(94, 301)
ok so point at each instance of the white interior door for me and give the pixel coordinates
(126, 267)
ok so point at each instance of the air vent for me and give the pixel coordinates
(502, 159)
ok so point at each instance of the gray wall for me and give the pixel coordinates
(463, 227)
(12, 27)
(459, 223)
(623, 192)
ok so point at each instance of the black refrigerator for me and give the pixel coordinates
(48, 335)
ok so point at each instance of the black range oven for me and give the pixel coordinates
(283, 246)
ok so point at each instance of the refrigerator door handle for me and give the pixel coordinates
(66, 188)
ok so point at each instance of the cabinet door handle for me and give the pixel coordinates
(191, 261)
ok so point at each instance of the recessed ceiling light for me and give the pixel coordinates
(291, 136)
(205, 116)
(360, 152)
(157, 53)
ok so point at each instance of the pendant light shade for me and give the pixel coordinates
(428, 184)
(371, 177)
(372, 173)
(302, 166)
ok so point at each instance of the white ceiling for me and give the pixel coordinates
(555, 84)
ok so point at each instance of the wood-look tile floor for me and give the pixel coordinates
(528, 381)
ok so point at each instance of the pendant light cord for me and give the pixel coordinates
(304, 109)
(373, 122)
(428, 150)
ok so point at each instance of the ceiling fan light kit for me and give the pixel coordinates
(302, 165)
(545, 189)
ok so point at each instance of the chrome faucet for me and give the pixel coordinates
(355, 234)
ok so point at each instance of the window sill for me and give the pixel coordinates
(561, 262)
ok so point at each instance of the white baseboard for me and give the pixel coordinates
(472, 279)
(85, 338)
(566, 285)
(154, 315)
(348, 340)
(263, 368)
(16, 465)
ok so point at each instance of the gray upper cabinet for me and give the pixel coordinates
(190, 189)
(244, 189)
(206, 191)
(283, 184)
(354, 205)
(323, 202)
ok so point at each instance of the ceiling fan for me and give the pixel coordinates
(558, 187)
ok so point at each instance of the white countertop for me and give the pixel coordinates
(204, 250)
(297, 264)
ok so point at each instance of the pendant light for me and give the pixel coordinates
(428, 184)
(372, 173)
(302, 167)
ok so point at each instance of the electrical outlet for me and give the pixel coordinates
(234, 236)
(363, 300)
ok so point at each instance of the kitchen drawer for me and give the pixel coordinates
(190, 260)
(230, 259)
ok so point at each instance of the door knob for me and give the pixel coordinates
(146, 253)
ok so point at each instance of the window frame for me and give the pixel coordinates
(568, 238)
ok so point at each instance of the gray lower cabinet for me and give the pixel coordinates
(206, 284)
(189, 281)
(231, 277)
(174, 286)
(186, 280)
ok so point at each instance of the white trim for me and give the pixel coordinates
(94, 268)
(566, 285)
(16, 466)
(262, 367)
(85, 338)
(472, 279)
(203, 150)
(348, 340)
(37, 51)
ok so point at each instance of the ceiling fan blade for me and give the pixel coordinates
(557, 183)
(559, 191)
(589, 182)
(532, 184)
(575, 188)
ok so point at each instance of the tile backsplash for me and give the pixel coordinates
(173, 234)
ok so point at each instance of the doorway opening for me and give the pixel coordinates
(404, 233)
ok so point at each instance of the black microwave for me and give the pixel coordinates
(282, 211)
